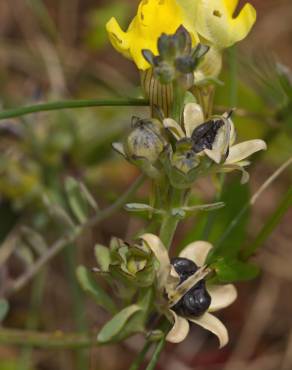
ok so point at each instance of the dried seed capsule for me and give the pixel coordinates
(197, 300)
(145, 140)
(204, 135)
(184, 267)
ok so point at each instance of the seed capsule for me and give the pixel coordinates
(197, 300)
(204, 135)
(184, 267)
(145, 140)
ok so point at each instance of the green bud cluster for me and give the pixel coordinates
(132, 264)
(176, 59)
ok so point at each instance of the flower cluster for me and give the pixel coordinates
(209, 22)
(197, 148)
(184, 295)
(206, 147)
(175, 43)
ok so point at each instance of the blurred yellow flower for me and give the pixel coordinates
(153, 18)
(214, 21)
(208, 21)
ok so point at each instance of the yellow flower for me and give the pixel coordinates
(153, 18)
(214, 21)
(208, 21)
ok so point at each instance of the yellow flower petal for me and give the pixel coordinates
(118, 37)
(214, 325)
(215, 22)
(153, 18)
(180, 329)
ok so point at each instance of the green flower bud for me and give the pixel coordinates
(176, 59)
(132, 264)
(184, 158)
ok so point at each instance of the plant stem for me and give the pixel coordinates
(170, 221)
(71, 104)
(212, 216)
(56, 340)
(24, 362)
(270, 225)
(68, 239)
(232, 61)
(78, 302)
(152, 364)
(141, 356)
(178, 99)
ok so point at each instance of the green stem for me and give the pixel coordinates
(211, 218)
(71, 104)
(178, 100)
(233, 73)
(77, 296)
(33, 318)
(56, 340)
(152, 364)
(270, 225)
(141, 356)
(170, 221)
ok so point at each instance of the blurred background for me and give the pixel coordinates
(56, 50)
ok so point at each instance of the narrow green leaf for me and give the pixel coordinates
(113, 327)
(103, 257)
(141, 207)
(231, 270)
(138, 207)
(34, 239)
(4, 307)
(77, 201)
(58, 213)
(90, 285)
(235, 196)
(270, 225)
(204, 207)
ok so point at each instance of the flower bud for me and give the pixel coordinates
(184, 158)
(131, 263)
(180, 166)
(145, 141)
